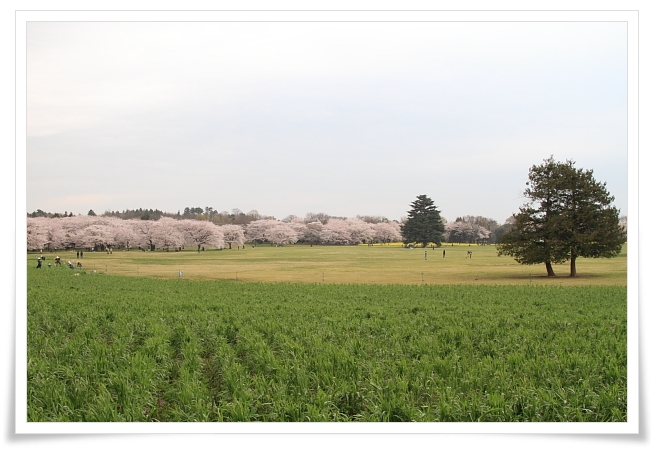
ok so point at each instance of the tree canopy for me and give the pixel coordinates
(424, 224)
(568, 215)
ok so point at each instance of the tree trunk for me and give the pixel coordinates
(152, 247)
(574, 273)
(549, 269)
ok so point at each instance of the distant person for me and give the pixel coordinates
(426, 255)
(444, 253)
(81, 254)
(78, 254)
(38, 263)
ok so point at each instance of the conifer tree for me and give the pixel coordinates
(424, 224)
(568, 215)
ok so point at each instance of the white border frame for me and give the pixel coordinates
(631, 426)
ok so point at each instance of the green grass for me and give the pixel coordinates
(126, 348)
(349, 264)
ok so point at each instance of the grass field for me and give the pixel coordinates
(114, 348)
(348, 264)
(321, 333)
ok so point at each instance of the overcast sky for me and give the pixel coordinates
(341, 118)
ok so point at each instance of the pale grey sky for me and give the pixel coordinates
(343, 118)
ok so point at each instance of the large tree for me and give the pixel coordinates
(201, 233)
(568, 215)
(424, 224)
(533, 236)
(233, 234)
(281, 234)
(591, 227)
(257, 230)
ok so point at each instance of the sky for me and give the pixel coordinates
(342, 118)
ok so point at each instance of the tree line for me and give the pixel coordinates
(166, 232)
(105, 232)
(567, 215)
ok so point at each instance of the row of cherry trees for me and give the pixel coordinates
(461, 232)
(100, 232)
(96, 232)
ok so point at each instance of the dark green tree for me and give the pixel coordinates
(590, 227)
(568, 215)
(91, 213)
(424, 224)
(533, 236)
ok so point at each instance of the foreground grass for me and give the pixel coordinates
(349, 264)
(114, 348)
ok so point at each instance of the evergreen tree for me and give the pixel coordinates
(533, 237)
(424, 224)
(590, 227)
(568, 215)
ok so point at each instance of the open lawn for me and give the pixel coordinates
(378, 264)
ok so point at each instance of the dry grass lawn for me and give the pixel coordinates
(389, 264)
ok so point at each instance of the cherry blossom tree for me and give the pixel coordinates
(167, 234)
(146, 233)
(482, 234)
(257, 230)
(54, 235)
(299, 226)
(73, 231)
(313, 233)
(281, 234)
(386, 232)
(97, 236)
(233, 234)
(360, 231)
(201, 233)
(336, 231)
(461, 231)
(124, 235)
(36, 233)
(48, 230)
(456, 232)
